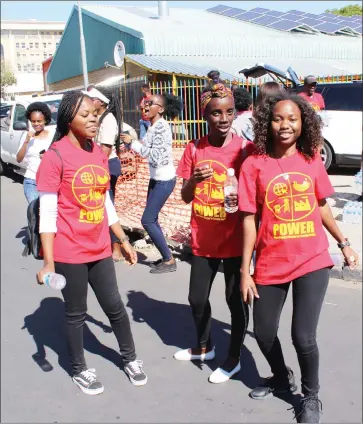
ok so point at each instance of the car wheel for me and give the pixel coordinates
(326, 154)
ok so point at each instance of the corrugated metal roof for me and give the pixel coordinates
(173, 65)
(195, 32)
(230, 67)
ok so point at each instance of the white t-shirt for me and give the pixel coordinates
(32, 157)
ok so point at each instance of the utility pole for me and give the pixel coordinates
(83, 47)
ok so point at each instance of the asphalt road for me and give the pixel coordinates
(32, 322)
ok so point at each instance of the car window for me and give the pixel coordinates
(5, 117)
(19, 114)
(342, 98)
(53, 106)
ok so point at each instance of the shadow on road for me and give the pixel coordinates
(47, 326)
(174, 324)
(23, 235)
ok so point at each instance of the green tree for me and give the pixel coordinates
(349, 10)
(7, 79)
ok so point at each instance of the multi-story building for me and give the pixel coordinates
(24, 46)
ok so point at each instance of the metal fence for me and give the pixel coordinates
(190, 124)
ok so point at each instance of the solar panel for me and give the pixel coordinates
(248, 16)
(327, 14)
(330, 19)
(296, 12)
(358, 30)
(218, 9)
(328, 27)
(274, 13)
(284, 25)
(265, 20)
(290, 16)
(312, 16)
(309, 21)
(356, 25)
(232, 12)
(260, 10)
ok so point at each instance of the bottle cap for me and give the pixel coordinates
(230, 172)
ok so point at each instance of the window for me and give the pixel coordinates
(23, 45)
(19, 67)
(19, 114)
(32, 54)
(45, 45)
(30, 45)
(17, 45)
(5, 117)
(37, 45)
(18, 54)
(24, 54)
(39, 68)
(49, 43)
(41, 32)
(348, 98)
(45, 55)
(47, 33)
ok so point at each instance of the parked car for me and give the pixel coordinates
(342, 116)
(14, 126)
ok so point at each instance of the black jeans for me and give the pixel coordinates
(202, 275)
(308, 294)
(102, 278)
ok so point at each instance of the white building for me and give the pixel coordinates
(24, 45)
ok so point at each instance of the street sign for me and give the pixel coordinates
(119, 54)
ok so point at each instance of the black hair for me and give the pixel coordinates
(68, 108)
(242, 99)
(146, 85)
(212, 73)
(311, 125)
(113, 107)
(39, 107)
(267, 89)
(173, 105)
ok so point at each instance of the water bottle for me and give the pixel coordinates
(337, 259)
(230, 187)
(358, 182)
(55, 281)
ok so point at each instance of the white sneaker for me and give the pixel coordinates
(185, 355)
(88, 383)
(221, 376)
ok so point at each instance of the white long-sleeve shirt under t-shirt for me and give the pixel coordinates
(32, 157)
(157, 147)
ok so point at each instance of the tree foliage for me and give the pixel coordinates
(349, 10)
(7, 78)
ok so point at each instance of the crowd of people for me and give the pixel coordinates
(272, 148)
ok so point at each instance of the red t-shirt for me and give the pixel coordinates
(214, 233)
(82, 225)
(142, 105)
(291, 240)
(316, 100)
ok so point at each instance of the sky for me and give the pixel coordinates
(60, 10)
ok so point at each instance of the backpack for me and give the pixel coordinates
(33, 243)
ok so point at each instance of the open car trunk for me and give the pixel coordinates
(287, 78)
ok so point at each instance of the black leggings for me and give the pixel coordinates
(308, 294)
(202, 275)
(102, 278)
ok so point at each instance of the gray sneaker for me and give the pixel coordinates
(136, 373)
(87, 382)
(163, 267)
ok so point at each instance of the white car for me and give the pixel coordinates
(342, 116)
(14, 126)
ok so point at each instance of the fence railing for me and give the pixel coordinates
(190, 124)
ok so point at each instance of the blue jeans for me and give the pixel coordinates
(158, 194)
(30, 189)
(144, 125)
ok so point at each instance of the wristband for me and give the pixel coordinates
(124, 239)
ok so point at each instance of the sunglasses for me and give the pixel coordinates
(151, 103)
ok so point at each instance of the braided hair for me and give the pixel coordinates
(68, 108)
(113, 107)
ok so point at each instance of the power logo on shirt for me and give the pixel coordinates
(209, 194)
(89, 186)
(291, 198)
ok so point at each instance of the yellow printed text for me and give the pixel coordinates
(91, 217)
(216, 213)
(294, 230)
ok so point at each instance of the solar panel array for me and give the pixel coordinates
(294, 20)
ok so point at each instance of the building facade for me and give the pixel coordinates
(24, 46)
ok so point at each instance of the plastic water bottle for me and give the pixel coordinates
(55, 281)
(358, 182)
(230, 187)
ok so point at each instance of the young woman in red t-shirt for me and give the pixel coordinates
(284, 184)
(76, 212)
(214, 233)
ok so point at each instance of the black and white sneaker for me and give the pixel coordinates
(310, 410)
(136, 373)
(274, 385)
(87, 382)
